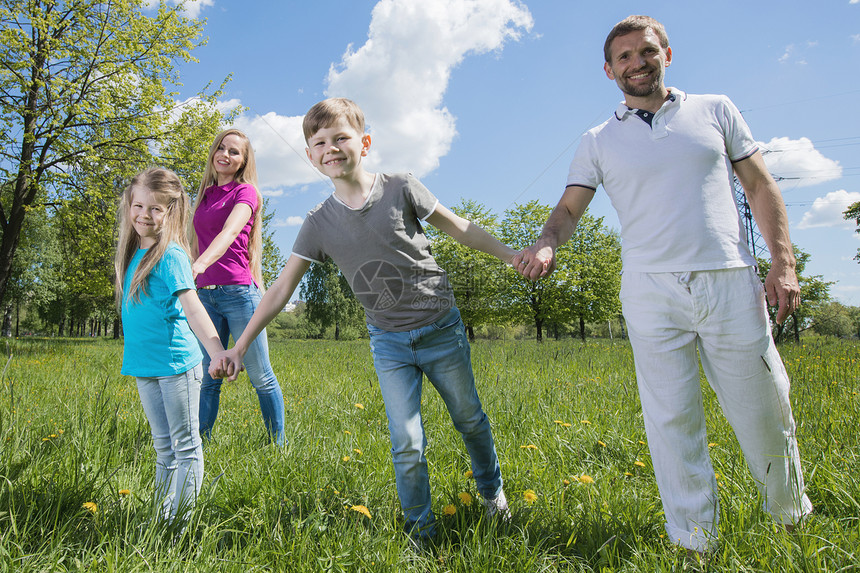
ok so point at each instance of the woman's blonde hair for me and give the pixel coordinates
(247, 173)
(167, 190)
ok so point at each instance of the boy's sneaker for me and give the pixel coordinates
(497, 506)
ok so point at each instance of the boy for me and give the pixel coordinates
(370, 226)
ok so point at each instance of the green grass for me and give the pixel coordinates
(72, 431)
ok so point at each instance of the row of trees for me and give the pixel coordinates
(85, 103)
(583, 289)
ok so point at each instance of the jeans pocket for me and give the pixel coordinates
(451, 319)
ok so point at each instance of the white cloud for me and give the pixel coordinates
(292, 221)
(827, 211)
(400, 75)
(856, 37)
(796, 162)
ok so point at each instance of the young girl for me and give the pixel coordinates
(158, 301)
(227, 248)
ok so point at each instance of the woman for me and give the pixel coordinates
(226, 245)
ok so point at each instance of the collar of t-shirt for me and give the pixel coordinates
(644, 115)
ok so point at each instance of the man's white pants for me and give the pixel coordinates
(721, 313)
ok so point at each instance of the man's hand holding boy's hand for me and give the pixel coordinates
(535, 262)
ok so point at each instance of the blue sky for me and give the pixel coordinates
(487, 99)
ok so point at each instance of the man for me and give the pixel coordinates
(666, 160)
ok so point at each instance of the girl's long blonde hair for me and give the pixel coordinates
(167, 189)
(247, 173)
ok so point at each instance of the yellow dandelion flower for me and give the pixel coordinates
(565, 481)
(639, 464)
(465, 498)
(336, 492)
(46, 439)
(124, 492)
(586, 479)
(450, 509)
(362, 510)
(641, 443)
(357, 451)
(468, 474)
(530, 496)
(712, 444)
(628, 474)
(717, 475)
(601, 443)
(347, 432)
(359, 405)
(346, 458)
(91, 507)
(558, 421)
(532, 447)
(566, 425)
(586, 422)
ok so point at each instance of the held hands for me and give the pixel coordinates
(782, 289)
(226, 365)
(535, 262)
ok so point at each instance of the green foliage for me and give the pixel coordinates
(835, 319)
(853, 212)
(585, 284)
(329, 300)
(72, 431)
(84, 101)
(273, 261)
(479, 280)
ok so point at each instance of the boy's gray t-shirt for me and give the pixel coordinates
(382, 251)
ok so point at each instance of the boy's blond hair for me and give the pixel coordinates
(634, 24)
(327, 112)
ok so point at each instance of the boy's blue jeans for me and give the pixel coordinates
(170, 403)
(441, 352)
(231, 307)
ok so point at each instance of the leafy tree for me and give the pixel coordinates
(536, 302)
(329, 300)
(853, 212)
(82, 81)
(478, 279)
(835, 319)
(594, 273)
(814, 292)
(273, 261)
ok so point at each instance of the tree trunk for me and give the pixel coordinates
(539, 327)
(582, 328)
(470, 330)
(7, 321)
(116, 329)
(337, 331)
(796, 328)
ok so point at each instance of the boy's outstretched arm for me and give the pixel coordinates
(467, 233)
(270, 306)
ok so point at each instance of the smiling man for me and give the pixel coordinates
(690, 290)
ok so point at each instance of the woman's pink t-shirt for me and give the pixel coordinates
(209, 218)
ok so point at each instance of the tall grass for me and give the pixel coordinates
(569, 432)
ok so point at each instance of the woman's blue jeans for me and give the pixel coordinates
(441, 352)
(230, 307)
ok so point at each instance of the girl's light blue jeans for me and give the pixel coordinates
(231, 307)
(441, 352)
(171, 406)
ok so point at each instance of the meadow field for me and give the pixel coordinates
(77, 464)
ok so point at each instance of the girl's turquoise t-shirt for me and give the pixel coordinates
(158, 340)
